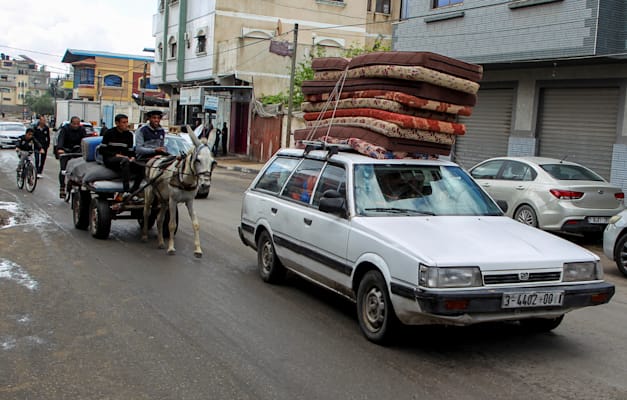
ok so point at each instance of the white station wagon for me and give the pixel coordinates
(415, 241)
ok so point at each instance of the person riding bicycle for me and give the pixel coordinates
(69, 139)
(27, 144)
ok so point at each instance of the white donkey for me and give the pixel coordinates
(176, 183)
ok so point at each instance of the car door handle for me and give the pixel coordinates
(520, 188)
(307, 221)
(485, 184)
(274, 210)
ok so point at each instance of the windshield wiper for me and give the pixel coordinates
(397, 210)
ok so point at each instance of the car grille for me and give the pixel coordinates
(521, 278)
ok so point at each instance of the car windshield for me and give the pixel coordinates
(570, 172)
(176, 144)
(12, 127)
(393, 189)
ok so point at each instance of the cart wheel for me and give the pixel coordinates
(152, 218)
(100, 218)
(81, 201)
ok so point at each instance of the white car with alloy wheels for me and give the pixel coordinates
(615, 241)
(411, 241)
(551, 194)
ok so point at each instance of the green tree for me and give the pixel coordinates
(43, 104)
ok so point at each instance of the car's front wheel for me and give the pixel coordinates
(270, 268)
(620, 254)
(526, 215)
(375, 312)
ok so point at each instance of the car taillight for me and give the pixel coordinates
(619, 196)
(566, 194)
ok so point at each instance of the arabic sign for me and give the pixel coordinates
(211, 103)
(190, 96)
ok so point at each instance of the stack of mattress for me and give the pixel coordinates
(389, 104)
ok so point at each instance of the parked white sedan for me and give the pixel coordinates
(551, 194)
(415, 241)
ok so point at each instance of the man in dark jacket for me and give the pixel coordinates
(42, 135)
(117, 152)
(69, 141)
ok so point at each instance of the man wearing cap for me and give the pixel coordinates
(150, 138)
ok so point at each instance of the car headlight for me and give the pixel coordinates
(451, 277)
(615, 219)
(582, 271)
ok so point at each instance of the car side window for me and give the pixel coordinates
(276, 174)
(333, 178)
(517, 171)
(301, 184)
(488, 170)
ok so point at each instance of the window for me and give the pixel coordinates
(488, 170)
(84, 76)
(160, 52)
(517, 171)
(444, 3)
(201, 46)
(302, 183)
(381, 6)
(113, 80)
(148, 85)
(161, 5)
(276, 174)
(333, 178)
(172, 46)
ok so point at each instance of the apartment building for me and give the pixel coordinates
(115, 81)
(214, 58)
(18, 77)
(555, 75)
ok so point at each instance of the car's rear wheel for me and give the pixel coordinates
(375, 312)
(541, 324)
(526, 215)
(270, 268)
(620, 254)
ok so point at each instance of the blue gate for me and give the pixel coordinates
(107, 114)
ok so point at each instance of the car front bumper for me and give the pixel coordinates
(8, 141)
(489, 300)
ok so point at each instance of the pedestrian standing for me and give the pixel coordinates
(225, 139)
(41, 133)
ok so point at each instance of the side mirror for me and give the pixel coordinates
(502, 205)
(332, 202)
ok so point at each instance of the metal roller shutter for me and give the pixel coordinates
(579, 124)
(487, 129)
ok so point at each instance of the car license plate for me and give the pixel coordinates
(598, 220)
(532, 299)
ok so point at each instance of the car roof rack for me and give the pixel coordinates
(331, 148)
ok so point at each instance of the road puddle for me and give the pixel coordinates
(13, 214)
(13, 272)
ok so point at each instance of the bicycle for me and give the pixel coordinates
(28, 174)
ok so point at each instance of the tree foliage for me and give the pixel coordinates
(43, 104)
(305, 72)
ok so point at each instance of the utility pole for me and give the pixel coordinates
(143, 94)
(291, 100)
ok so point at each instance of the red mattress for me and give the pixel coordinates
(329, 63)
(403, 98)
(433, 61)
(404, 121)
(388, 143)
(418, 89)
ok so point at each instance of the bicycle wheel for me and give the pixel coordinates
(30, 176)
(20, 178)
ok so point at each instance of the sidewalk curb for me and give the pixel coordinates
(238, 168)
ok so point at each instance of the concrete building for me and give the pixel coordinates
(19, 77)
(116, 81)
(213, 56)
(555, 75)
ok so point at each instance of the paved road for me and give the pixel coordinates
(82, 318)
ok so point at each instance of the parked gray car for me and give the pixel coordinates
(615, 241)
(551, 194)
(10, 133)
